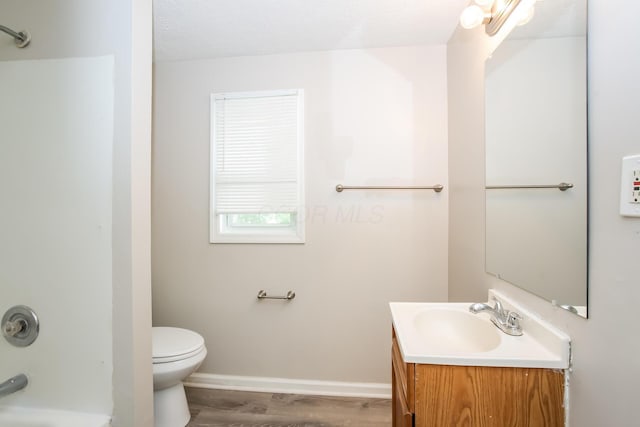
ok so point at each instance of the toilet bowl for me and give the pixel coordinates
(177, 353)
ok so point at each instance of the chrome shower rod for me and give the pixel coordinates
(22, 38)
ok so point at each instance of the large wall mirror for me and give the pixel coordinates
(536, 136)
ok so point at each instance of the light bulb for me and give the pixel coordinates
(526, 16)
(472, 16)
(485, 4)
(500, 5)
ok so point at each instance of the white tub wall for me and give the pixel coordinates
(372, 117)
(605, 363)
(55, 257)
(76, 28)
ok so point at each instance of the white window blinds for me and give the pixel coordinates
(256, 152)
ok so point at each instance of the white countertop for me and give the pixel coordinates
(540, 346)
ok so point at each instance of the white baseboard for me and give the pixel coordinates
(290, 386)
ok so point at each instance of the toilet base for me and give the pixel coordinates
(170, 407)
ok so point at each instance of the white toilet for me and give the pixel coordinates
(177, 353)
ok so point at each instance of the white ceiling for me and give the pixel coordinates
(196, 29)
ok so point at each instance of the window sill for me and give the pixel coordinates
(257, 240)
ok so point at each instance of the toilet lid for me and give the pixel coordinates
(171, 343)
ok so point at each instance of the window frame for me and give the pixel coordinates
(219, 229)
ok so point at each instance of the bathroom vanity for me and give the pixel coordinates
(450, 380)
(427, 395)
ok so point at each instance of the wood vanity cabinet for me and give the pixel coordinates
(474, 396)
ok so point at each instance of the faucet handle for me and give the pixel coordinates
(513, 320)
(11, 328)
(498, 307)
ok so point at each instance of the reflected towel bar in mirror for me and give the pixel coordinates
(340, 188)
(563, 186)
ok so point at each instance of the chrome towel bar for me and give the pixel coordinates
(563, 186)
(263, 295)
(340, 188)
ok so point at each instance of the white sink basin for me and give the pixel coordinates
(456, 331)
(448, 334)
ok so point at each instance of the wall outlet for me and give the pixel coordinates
(630, 186)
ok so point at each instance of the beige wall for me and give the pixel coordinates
(606, 366)
(77, 28)
(133, 380)
(372, 117)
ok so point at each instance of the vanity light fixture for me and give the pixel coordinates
(493, 14)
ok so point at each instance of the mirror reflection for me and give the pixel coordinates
(536, 136)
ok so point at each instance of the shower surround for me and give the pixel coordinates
(56, 231)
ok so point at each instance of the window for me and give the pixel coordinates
(257, 167)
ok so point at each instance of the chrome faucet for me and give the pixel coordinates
(13, 384)
(507, 321)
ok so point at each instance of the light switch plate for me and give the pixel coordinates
(630, 186)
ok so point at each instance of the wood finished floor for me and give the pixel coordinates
(214, 408)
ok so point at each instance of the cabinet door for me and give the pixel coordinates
(481, 396)
(405, 373)
(402, 416)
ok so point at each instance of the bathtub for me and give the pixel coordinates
(28, 417)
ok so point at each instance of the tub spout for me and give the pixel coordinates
(13, 384)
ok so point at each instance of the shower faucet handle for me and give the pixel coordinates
(20, 326)
(11, 328)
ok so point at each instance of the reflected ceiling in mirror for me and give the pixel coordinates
(536, 136)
